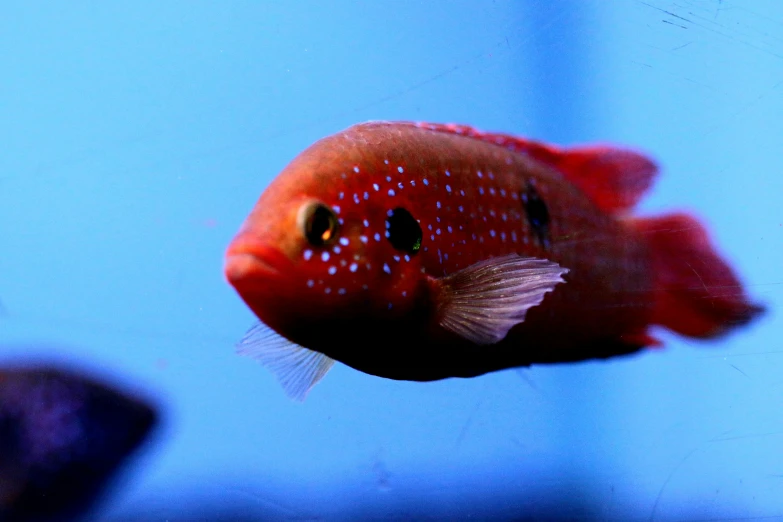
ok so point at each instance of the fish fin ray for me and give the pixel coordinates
(297, 369)
(613, 178)
(484, 301)
(697, 292)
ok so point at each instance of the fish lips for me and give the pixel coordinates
(249, 260)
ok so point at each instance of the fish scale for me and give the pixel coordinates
(473, 170)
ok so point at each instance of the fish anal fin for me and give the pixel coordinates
(641, 339)
(297, 369)
(482, 302)
(613, 178)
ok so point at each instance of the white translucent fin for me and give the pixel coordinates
(484, 301)
(298, 369)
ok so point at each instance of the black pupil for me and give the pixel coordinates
(537, 214)
(321, 226)
(404, 231)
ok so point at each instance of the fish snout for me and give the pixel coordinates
(248, 257)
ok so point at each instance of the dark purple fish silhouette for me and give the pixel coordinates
(62, 436)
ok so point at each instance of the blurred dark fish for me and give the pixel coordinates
(62, 436)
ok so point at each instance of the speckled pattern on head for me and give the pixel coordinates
(362, 300)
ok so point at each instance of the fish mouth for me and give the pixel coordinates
(249, 258)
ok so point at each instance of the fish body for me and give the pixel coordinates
(62, 437)
(421, 251)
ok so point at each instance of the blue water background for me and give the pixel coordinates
(135, 137)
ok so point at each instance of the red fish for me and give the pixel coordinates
(420, 252)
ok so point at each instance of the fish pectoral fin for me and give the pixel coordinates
(297, 369)
(484, 301)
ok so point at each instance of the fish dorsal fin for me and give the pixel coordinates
(613, 178)
(482, 302)
(298, 369)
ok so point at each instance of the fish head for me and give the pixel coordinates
(325, 249)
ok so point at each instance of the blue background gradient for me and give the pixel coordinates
(136, 137)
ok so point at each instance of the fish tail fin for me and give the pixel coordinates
(697, 292)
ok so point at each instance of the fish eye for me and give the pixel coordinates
(537, 213)
(319, 224)
(404, 231)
